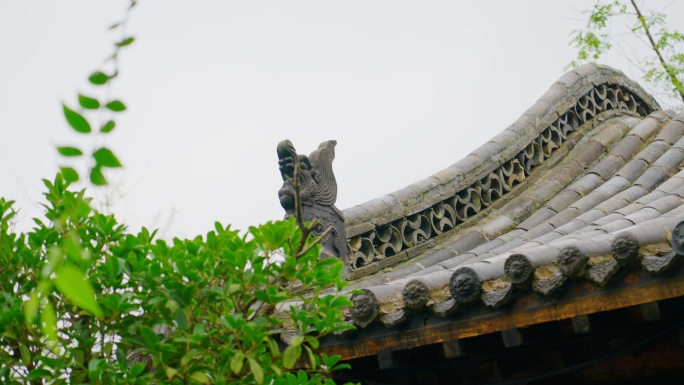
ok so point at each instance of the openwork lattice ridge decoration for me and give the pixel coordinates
(387, 240)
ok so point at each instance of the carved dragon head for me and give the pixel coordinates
(318, 192)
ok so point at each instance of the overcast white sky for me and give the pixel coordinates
(405, 87)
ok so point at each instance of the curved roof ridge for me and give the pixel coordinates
(527, 127)
(405, 223)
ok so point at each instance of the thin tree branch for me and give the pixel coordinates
(306, 249)
(668, 70)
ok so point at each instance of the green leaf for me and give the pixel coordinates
(48, 319)
(108, 127)
(312, 341)
(200, 377)
(302, 377)
(69, 174)
(94, 368)
(72, 245)
(256, 370)
(233, 288)
(237, 361)
(98, 78)
(188, 357)
(106, 158)
(276, 369)
(69, 151)
(312, 360)
(136, 369)
(88, 102)
(170, 372)
(290, 356)
(116, 106)
(150, 338)
(273, 347)
(291, 379)
(296, 340)
(199, 329)
(25, 354)
(172, 305)
(31, 308)
(71, 282)
(96, 176)
(181, 319)
(76, 121)
(125, 42)
(38, 373)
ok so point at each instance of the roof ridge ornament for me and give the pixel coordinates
(318, 193)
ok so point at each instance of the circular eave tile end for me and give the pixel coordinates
(464, 285)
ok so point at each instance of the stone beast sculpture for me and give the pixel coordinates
(318, 193)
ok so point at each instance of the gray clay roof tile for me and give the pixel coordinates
(562, 194)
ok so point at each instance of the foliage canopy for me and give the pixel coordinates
(84, 300)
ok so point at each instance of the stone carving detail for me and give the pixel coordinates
(678, 239)
(464, 285)
(572, 262)
(388, 240)
(365, 308)
(518, 269)
(625, 249)
(318, 193)
(415, 294)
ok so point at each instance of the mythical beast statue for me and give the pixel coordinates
(318, 193)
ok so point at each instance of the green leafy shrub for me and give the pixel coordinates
(82, 300)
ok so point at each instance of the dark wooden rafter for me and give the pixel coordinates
(453, 348)
(512, 337)
(581, 324)
(620, 347)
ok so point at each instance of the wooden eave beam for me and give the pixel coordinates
(528, 309)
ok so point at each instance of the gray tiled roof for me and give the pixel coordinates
(585, 184)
